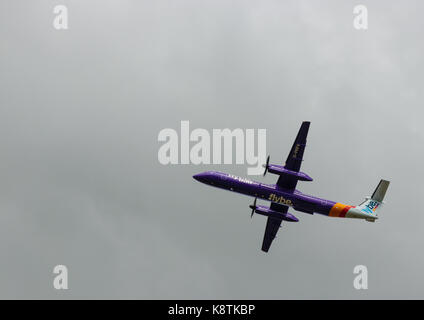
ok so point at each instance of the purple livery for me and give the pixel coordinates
(284, 193)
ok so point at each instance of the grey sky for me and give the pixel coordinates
(80, 111)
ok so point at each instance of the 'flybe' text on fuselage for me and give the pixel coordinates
(280, 199)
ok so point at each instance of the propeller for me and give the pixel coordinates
(253, 207)
(266, 165)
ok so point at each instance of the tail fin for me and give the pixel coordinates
(371, 204)
(380, 191)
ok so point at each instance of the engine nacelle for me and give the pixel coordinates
(281, 170)
(265, 211)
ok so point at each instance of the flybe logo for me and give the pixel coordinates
(279, 199)
(371, 206)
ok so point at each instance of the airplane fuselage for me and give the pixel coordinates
(295, 199)
(284, 195)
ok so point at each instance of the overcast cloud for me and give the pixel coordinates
(81, 109)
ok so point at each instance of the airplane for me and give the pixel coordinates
(284, 194)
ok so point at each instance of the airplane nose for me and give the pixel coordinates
(199, 177)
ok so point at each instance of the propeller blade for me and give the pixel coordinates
(253, 207)
(266, 165)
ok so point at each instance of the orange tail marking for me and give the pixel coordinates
(339, 210)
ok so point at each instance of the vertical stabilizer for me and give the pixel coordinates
(380, 191)
(373, 203)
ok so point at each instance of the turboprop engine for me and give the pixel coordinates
(281, 170)
(265, 211)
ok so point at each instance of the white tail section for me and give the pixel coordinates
(373, 203)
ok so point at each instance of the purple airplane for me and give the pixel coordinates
(284, 194)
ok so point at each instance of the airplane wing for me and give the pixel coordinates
(272, 226)
(295, 158)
